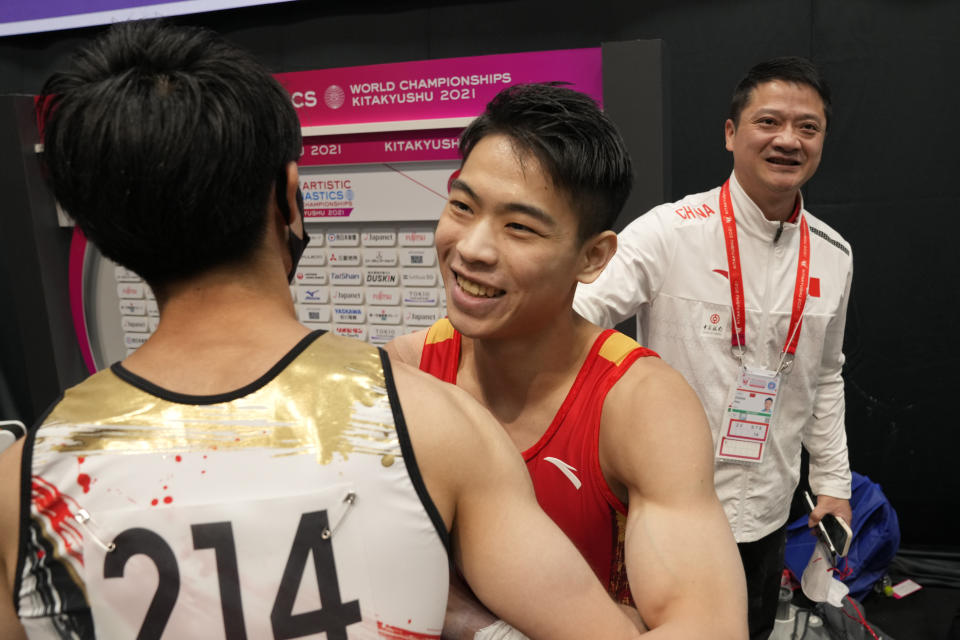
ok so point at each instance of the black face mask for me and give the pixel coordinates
(295, 244)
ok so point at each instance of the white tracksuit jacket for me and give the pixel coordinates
(670, 270)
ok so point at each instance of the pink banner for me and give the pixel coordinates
(78, 254)
(447, 88)
(387, 146)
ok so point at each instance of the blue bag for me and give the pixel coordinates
(876, 538)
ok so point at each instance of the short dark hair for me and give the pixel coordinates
(575, 143)
(163, 143)
(787, 68)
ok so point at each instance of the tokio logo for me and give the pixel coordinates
(334, 96)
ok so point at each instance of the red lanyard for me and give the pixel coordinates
(736, 277)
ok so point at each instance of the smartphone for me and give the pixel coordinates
(833, 531)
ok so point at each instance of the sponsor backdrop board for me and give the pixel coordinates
(380, 145)
(370, 271)
(432, 89)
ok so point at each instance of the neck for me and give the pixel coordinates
(219, 331)
(223, 311)
(517, 372)
(777, 208)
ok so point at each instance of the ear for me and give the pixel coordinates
(293, 183)
(729, 132)
(595, 254)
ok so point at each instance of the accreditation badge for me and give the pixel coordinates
(745, 425)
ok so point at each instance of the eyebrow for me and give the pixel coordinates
(517, 207)
(779, 114)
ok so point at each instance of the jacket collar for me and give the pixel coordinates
(750, 218)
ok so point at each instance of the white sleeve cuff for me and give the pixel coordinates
(499, 630)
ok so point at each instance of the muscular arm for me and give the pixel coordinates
(682, 561)
(9, 538)
(512, 555)
(465, 614)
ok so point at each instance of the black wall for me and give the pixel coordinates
(889, 179)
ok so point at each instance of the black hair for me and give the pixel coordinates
(576, 144)
(163, 143)
(787, 68)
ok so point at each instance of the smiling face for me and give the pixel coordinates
(508, 245)
(778, 141)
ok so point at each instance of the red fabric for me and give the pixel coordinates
(441, 358)
(796, 211)
(738, 329)
(591, 515)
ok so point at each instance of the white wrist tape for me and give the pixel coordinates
(499, 630)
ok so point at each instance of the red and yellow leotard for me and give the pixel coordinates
(564, 464)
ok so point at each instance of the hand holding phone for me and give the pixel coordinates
(834, 531)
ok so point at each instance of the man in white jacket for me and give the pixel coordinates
(745, 293)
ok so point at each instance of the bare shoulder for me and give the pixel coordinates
(455, 439)
(407, 348)
(422, 394)
(449, 414)
(652, 386)
(654, 430)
